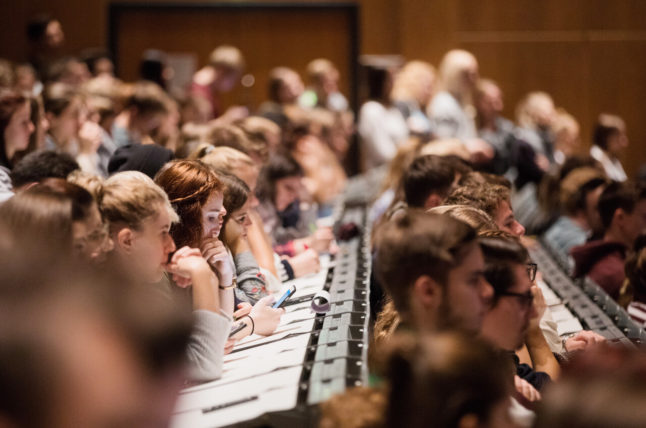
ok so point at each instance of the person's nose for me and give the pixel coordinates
(519, 229)
(486, 291)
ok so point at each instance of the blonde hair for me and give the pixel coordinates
(131, 198)
(411, 82)
(226, 56)
(227, 159)
(474, 217)
(452, 68)
(90, 182)
(529, 109)
(318, 69)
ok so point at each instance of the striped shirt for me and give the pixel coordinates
(637, 311)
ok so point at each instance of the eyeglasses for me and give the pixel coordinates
(94, 239)
(531, 271)
(525, 299)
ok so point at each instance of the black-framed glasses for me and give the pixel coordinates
(526, 299)
(531, 271)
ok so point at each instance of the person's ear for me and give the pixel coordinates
(468, 421)
(428, 292)
(433, 200)
(125, 239)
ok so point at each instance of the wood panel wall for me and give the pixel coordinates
(589, 54)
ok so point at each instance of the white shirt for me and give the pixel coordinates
(382, 130)
(613, 167)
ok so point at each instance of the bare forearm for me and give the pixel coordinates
(205, 290)
(542, 358)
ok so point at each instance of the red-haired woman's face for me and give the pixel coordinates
(213, 213)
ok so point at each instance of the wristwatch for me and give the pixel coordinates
(233, 284)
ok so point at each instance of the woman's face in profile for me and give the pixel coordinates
(213, 213)
(287, 191)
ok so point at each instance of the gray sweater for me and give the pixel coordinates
(205, 350)
(251, 283)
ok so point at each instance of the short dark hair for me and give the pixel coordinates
(37, 26)
(417, 243)
(278, 167)
(607, 125)
(424, 176)
(501, 251)
(39, 165)
(618, 195)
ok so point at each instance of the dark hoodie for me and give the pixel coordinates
(603, 262)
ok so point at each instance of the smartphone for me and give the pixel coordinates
(289, 293)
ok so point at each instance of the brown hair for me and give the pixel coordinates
(81, 199)
(438, 379)
(358, 407)
(189, 184)
(236, 194)
(10, 102)
(147, 98)
(414, 244)
(485, 197)
(57, 97)
(39, 215)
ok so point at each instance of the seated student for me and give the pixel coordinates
(40, 165)
(243, 167)
(513, 318)
(635, 285)
(104, 104)
(39, 216)
(493, 128)
(428, 181)
(412, 91)
(140, 218)
(15, 129)
(490, 198)
(279, 192)
(432, 267)
(198, 195)
(144, 111)
(579, 195)
(235, 224)
(92, 375)
(263, 134)
(447, 380)
(609, 143)
(90, 237)
(323, 87)
(234, 137)
(307, 140)
(221, 74)
(285, 88)
(64, 111)
(622, 207)
(117, 360)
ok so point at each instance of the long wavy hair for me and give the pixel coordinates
(189, 184)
